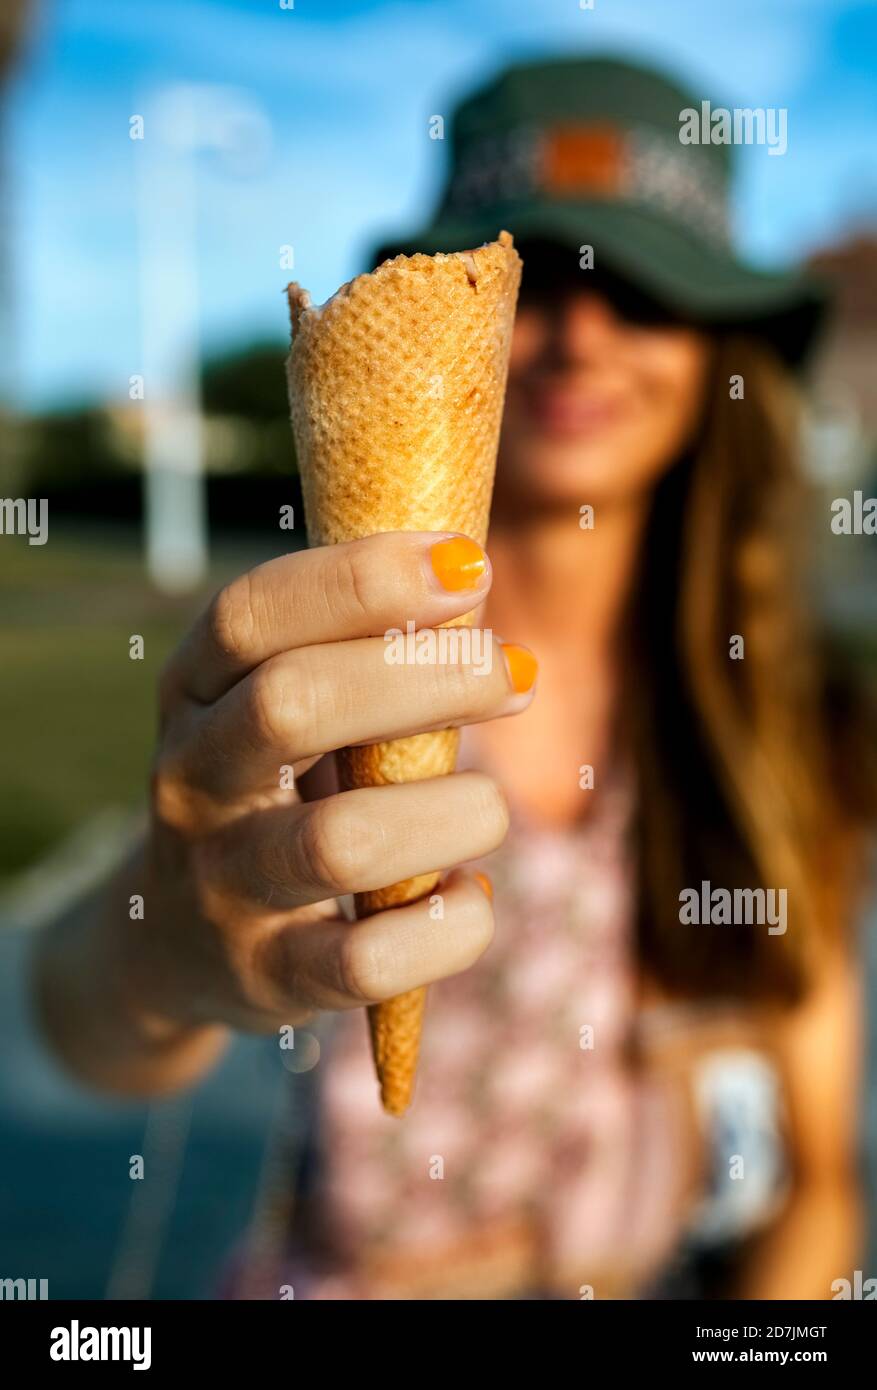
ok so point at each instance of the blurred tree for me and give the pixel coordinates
(243, 395)
(250, 383)
(70, 446)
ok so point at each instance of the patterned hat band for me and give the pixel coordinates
(571, 162)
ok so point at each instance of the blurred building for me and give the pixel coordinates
(846, 366)
(841, 434)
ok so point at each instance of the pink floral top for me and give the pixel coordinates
(533, 1155)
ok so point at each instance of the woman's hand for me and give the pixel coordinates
(239, 873)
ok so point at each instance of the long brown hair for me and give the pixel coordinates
(743, 777)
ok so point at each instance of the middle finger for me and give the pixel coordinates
(311, 701)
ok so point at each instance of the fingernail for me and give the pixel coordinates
(522, 666)
(458, 563)
(484, 884)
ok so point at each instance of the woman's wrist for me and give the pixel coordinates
(90, 988)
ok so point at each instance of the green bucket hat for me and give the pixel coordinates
(587, 152)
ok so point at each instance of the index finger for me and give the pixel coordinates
(334, 593)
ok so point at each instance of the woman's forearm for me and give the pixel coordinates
(816, 1240)
(85, 984)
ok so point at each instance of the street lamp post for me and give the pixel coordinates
(181, 121)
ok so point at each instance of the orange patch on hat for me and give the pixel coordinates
(581, 159)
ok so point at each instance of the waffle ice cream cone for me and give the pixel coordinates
(396, 390)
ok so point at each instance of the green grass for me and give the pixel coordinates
(77, 714)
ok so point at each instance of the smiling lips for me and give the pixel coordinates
(565, 415)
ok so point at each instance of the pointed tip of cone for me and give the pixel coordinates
(395, 1027)
(394, 1104)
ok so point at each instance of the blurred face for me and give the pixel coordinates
(604, 392)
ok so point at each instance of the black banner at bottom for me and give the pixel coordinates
(619, 1336)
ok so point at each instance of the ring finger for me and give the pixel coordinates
(359, 840)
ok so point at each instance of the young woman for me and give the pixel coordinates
(615, 1075)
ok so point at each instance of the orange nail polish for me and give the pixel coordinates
(485, 884)
(522, 665)
(458, 563)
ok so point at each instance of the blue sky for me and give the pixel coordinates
(346, 88)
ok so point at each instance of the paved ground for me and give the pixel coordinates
(65, 1193)
(65, 1189)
